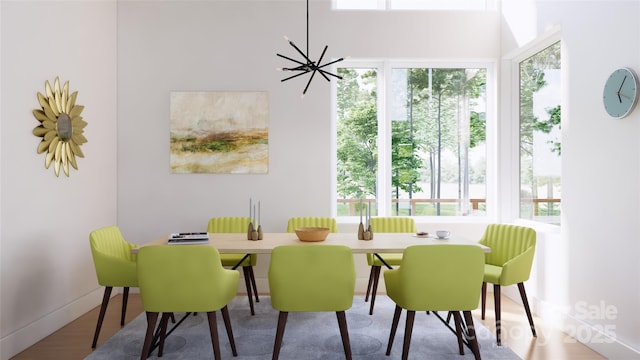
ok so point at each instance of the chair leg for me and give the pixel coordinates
(344, 332)
(227, 325)
(253, 282)
(366, 297)
(471, 331)
(152, 317)
(408, 328)
(496, 299)
(125, 297)
(247, 283)
(525, 302)
(394, 327)
(458, 322)
(164, 319)
(374, 288)
(282, 322)
(484, 298)
(103, 309)
(213, 332)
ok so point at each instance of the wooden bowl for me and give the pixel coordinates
(312, 233)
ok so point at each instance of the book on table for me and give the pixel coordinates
(186, 238)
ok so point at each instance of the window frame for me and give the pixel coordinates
(509, 156)
(384, 67)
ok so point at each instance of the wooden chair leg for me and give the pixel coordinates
(152, 317)
(344, 332)
(125, 298)
(496, 299)
(374, 288)
(525, 302)
(213, 332)
(253, 283)
(227, 325)
(247, 283)
(366, 297)
(408, 328)
(282, 322)
(164, 319)
(484, 298)
(103, 309)
(394, 327)
(458, 322)
(471, 331)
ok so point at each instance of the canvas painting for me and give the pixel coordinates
(220, 132)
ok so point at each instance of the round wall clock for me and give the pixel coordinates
(620, 93)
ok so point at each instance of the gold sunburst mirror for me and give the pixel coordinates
(61, 127)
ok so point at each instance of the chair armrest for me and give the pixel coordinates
(115, 271)
(518, 269)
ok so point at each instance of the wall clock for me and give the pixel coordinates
(620, 93)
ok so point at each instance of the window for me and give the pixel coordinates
(540, 129)
(411, 139)
(415, 4)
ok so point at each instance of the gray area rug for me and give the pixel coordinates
(307, 336)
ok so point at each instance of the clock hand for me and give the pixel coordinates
(623, 80)
(620, 89)
(625, 96)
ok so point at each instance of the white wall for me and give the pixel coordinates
(592, 263)
(232, 46)
(47, 274)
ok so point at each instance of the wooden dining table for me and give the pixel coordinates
(237, 243)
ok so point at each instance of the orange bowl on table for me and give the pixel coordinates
(312, 233)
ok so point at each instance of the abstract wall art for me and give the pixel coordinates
(219, 132)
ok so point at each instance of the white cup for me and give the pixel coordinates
(443, 234)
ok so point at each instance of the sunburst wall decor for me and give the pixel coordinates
(61, 127)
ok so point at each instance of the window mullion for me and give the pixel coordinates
(384, 142)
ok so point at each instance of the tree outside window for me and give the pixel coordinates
(436, 126)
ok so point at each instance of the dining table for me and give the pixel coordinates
(238, 243)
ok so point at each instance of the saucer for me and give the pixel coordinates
(441, 238)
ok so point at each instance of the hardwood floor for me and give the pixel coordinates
(74, 340)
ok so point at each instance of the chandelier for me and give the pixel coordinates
(305, 66)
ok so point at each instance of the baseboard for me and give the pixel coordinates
(23, 338)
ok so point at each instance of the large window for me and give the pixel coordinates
(415, 4)
(540, 144)
(411, 140)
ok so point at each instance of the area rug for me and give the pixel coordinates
(308, 336)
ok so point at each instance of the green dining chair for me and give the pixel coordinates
(187, 278)
(301, 281)
(392, 224)
(115, 267)
(437, 278)
(312, 221)
(237, 225)
(508, 263)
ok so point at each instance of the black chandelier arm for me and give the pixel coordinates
(300, 51)
(320, 62)
(308, 82)
(290, 59)
(330, 63)
(294, 76)
(324, 72)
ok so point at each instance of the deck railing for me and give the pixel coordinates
(475, 203)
